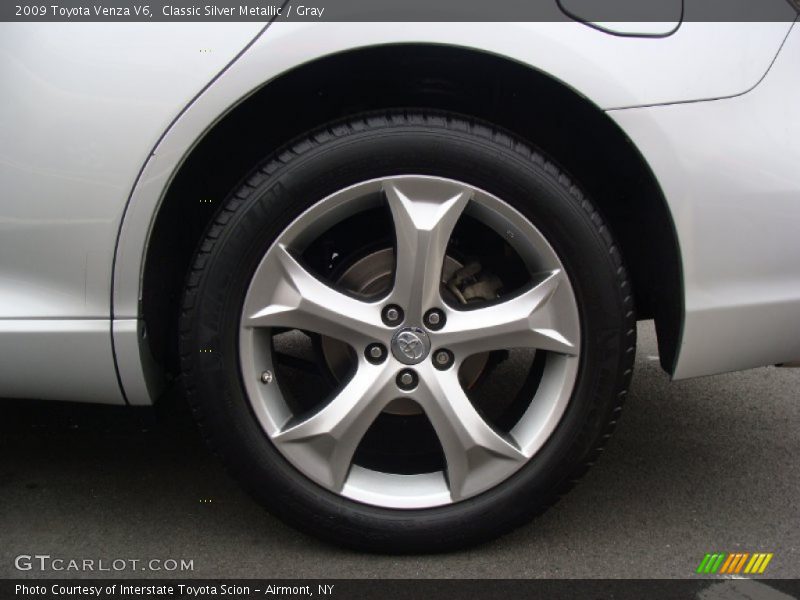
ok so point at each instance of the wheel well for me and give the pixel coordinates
(568, 128)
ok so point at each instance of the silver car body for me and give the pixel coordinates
(90, 140)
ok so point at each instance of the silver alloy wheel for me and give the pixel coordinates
(284, 294)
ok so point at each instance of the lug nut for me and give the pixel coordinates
(375, 353)
(434, 319)
(392, 315)
(442, 359)
(407, 380)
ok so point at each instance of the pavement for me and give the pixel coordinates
(698, 466)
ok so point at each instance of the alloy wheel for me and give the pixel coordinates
(410, 344)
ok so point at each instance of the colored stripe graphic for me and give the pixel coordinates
(728, 563)
(758, 563)
(740, 564)
(702, 567)
(766, 562)
(754, 562)
(718, 563)
(734, 563)
(711, 562)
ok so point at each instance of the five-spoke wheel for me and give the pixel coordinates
(428, 341)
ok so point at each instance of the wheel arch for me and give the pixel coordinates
(533, 105)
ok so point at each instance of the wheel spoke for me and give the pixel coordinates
(284, 294)
(539, 318)
(476, 455)
(424, 213)
(326, 441)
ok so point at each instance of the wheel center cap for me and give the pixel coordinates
(411, 345)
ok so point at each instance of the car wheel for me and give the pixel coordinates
(407, 332)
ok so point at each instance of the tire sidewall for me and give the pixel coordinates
(295, 179)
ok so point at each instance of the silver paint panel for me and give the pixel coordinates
(56, 359)
(82, 105)
(730, 170)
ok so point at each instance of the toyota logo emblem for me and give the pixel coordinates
(410, 345)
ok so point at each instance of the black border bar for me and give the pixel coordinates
(401, 589)
(108, 11)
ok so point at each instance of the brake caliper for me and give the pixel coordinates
(471, 283)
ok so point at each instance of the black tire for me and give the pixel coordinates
(340, 155)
